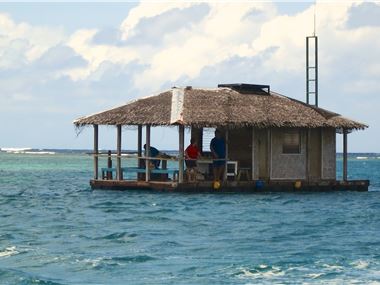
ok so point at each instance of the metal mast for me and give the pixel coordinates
(312, 68)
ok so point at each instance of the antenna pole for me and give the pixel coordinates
(312, 65)
(315, 7)
(307, 70)
(312, 70)
(316, 71)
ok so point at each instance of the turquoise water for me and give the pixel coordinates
(55, 230)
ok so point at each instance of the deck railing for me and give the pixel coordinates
(135, 168)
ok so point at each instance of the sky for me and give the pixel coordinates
(61, 61)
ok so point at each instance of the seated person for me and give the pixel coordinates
(153, 152)
(192, 153)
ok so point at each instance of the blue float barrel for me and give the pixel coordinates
(259, 184)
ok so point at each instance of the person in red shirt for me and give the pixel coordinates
(192, 153)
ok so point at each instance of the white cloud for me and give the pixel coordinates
(14, 54)
(225, 32)
(39, 39)
(81, 42)
(148, 10)
(214, 42)
(228, 30)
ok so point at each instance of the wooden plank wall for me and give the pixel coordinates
(315, 154)
(261, 153)
(240, 146)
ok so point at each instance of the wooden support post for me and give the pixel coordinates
(96, 151)
(227, 158)
(253, 154)
(307, 154)
(269, 133)
(321, 156)
(147, 153)
(139, 151)
(119, 174)
(139, 144)
(344, 155)
(181, 131)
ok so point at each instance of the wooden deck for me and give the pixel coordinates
(232, 186)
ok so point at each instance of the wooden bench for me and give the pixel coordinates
(133, 169)
(169, 171)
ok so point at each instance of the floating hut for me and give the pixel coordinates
(273, 142)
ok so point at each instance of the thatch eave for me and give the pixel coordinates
(222, 107)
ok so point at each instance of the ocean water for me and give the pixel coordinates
(55, 230)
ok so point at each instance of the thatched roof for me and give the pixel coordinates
(220, 107)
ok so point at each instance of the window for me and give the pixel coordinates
(291, 142)
(208, 135)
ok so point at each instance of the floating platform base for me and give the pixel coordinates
(234, 186)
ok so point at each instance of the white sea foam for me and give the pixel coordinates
(362, 157)
(267, 273)
(247, 273)
(9, 251)
(24, 150)
(99, 261)
(93, 261)
(314, 275)
(336, 268)
(15, 149)
(276, 271)
(360, 264)
(39, 152)
(263, 266)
